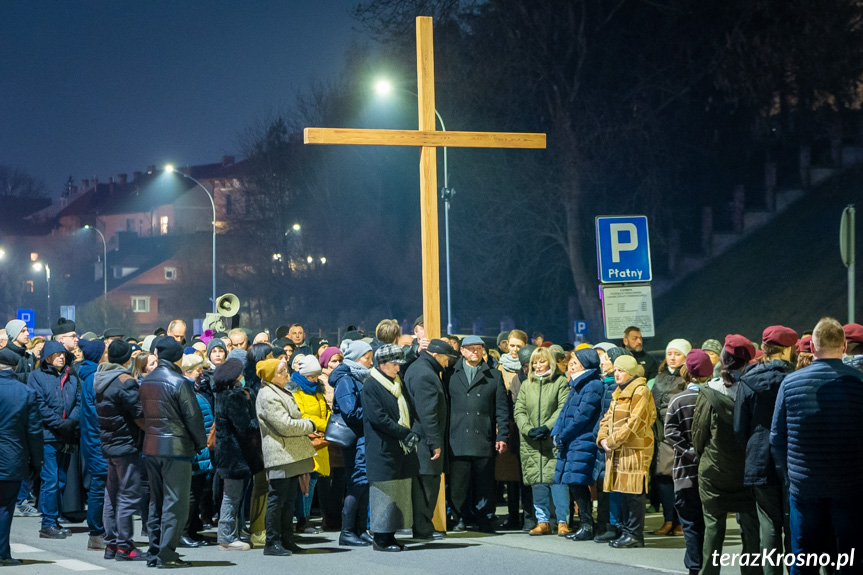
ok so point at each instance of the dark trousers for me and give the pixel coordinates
(664, 486)
(56, 463)
(715, 517)
(123, 496)
(632, 515)
(280, 510)
(95, 505)
(8, 495)
(771, 502)
(471, 483)
(424, 494)
(196, 495)
(688, 505)
(331, 497)
(170, 480)
(581, 495)
(355, 512)
(607, 508)
(811, 521)
(517, 491)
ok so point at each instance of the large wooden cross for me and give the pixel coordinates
(429, 139)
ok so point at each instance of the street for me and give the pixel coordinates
(508, 552)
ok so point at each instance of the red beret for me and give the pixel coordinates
(739, 346)
(853, 333)
(804, 344)
(779, 335)
(698, 363)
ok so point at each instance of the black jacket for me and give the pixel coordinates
(173, 423)
(118, 407)
(26, 362)
(385, 457)
(236, 426)
(423, 382)
(59, 396)
(647, 361)
(20, 429)
(479, 414)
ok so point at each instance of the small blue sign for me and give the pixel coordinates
(623, 249)
(28, 316)
(580, 327)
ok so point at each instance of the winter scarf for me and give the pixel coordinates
(394, 386)
(358, 370)
(310, 387)
(510, 363)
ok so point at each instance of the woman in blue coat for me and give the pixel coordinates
(575, 438)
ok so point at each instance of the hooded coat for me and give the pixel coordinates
(118, 407)
(347, 401)
(574, 430)
(539, 402)
(91, 447)
(59, 395)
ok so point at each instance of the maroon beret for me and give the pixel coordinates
(853, 332)
(804, 344)
(698, 363)
(779, 335)
(739, 346)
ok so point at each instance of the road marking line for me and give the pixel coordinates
(21, 548)
(75, 565)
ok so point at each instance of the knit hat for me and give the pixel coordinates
(355, 349)
(680, 345)
(119, 352)
(278, 352)
(628, 364)
(853, 332)
(779, 335)
(698, 363)
(711, 345)
(739, 346)
(228, 372)
(309, 365)
(588, 358)
(604, 346)
(391, 353)
(616, 352)
(147, 344)
(213, 344)
(502, 336)
(239, 354)
(14, 329)
(267, 368)
(169, 349)
(9, 357)
(804, 344)
(282, 331)
(328, 354)
(316, 342)
(62, 326)
(525, 352)
(92, 349)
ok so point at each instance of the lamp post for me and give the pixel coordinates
(169, 169)
(38, 267)
(104, 260)
(383, 87)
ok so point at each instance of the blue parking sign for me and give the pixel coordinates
(623, 249)
(28, 316)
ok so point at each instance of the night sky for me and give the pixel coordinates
(100, 87)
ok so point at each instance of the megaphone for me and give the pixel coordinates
(214, 322)
(228, 305)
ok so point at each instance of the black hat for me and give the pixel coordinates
(353, 335)
(282, 331)
(9, 357)
(524, 353)
(316, 342)
(417, 321)
(62, 326)
(440, 346)
(227, 373)
(168, 348)
(113, 332)
(160, 331)
(119, 352)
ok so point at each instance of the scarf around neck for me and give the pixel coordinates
(309, 387)
(358, 370)
(394, 386)
(510, 363)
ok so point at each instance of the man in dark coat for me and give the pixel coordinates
(118, 407)
(634, 344)
(21, 450)
(19, 337)
(426, 389)
(174, 432)
(478, 428)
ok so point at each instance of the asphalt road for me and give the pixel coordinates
(506, 553)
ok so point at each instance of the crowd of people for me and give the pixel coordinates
(402, 434)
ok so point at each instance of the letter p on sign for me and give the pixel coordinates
(618, 246)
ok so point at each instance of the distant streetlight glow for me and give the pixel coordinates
(277, 257)
(169, 168)
(323, 260)
(2, 253)
(37, 267)
(383, 87)
(296, 227)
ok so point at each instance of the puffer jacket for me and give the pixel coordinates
(667, 384)
(118, 407)
(753, 416)
(203, 461)
(347, 383)
(539, 402)
(817, 426)
(314, 407)
(284, 432)
(855, 361)
(59, 396)
(607, 392)
(574, 430)
(235, 427)
(173, 422)
(626, 427)
(21, 443)
(91, 446)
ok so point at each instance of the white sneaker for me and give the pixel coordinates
(235, 546)
(26, 510)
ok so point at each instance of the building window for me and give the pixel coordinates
(163, 225)
(28, 286)
(170, 273)
(130, 224)
(229, 205)
(140, 303)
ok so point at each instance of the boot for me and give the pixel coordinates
(665, 529)
(678, 530)
(348, 538)
(542, 528)
(583, 534)
(610, 534)
(563, 529)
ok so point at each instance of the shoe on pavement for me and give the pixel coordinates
(26, 510)
(563, 529)
(366, 537)
(52, 532)
(175, 564)
(608, 536)
(678, 530)
(187, 542)
(132, 555)
(664, 530)
(96, 543)
(235, 546)
(542, 528)
(583, 534)
(292, 547)
(351, 539)
(110, 552)
(258, 540)
(10, 562)
(276, 550)
(460, 527)
(389, 548)
(626, 542)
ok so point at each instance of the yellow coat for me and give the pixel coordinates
(315, 407)
(627, 427)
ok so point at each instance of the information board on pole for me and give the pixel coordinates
(624, 306)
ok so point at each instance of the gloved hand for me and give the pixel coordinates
(555, 441)
(66, 430)
(541, 432)
(411, 441)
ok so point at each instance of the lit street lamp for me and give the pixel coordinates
(169, 169)
(104, 260)
(383, 88)
(37, 266)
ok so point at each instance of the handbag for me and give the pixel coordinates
(338, 432)
(318, 441)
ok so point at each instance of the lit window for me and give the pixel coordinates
(170, 273)
(28, 286)
(140, 303)
(163, 225)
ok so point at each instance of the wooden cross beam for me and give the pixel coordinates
(429, 139)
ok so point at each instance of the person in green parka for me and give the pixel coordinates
(539, 402)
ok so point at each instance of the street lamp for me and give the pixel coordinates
(384, 88)
(170, 169)
(37, 266)
(104, 260)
